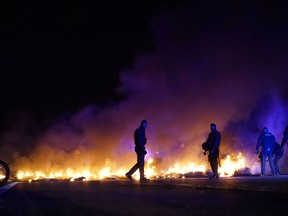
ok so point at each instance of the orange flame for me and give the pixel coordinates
(227, 168)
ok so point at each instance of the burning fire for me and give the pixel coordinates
(228, 167)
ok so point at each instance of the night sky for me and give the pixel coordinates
(81, 75)
(59, 56)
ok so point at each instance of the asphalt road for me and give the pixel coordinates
(249, 195)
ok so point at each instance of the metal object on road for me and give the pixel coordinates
(4, 173)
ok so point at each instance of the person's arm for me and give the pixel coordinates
(285, 137)
(259, 143)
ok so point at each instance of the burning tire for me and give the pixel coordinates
(4, 173)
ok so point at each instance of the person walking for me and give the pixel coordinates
(266, 141)
(212, 145)
(140, 141)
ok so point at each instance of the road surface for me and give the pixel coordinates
(250, 195)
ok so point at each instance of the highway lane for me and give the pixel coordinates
(7, 187)
(249, 195)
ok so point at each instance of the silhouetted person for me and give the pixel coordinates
(266, 141)
(212, 145)
(140, 142)
(285, 137)
(278, 154)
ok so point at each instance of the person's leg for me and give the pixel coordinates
(140, 161)
(275, 161)
(277, 158)
(271, 163)
(211, 165)
(214, 167)
(263, 162)
(133, 169)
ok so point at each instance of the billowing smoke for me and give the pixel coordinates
(207, 67)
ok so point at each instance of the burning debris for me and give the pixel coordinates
(242, 172)
(229, 167)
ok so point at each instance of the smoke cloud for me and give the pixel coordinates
(210, 66)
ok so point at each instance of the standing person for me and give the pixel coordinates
(212, 145)
(278, 154)
(285, 137)
(267, 142)
(140, 141)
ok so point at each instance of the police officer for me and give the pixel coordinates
(213, 143)
(140, 141)
(267, 142)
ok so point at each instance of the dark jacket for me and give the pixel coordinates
(140, 140)
(267, 141)
(213, 141)
(278, 151)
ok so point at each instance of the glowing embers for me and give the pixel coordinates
(68, 175)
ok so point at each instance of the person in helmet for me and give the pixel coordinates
(277, 155)
(266, 141)
(140, 141)
(212, 146)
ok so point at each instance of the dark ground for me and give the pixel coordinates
(249, 195)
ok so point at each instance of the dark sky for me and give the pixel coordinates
(100, 67)
(59, 56)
